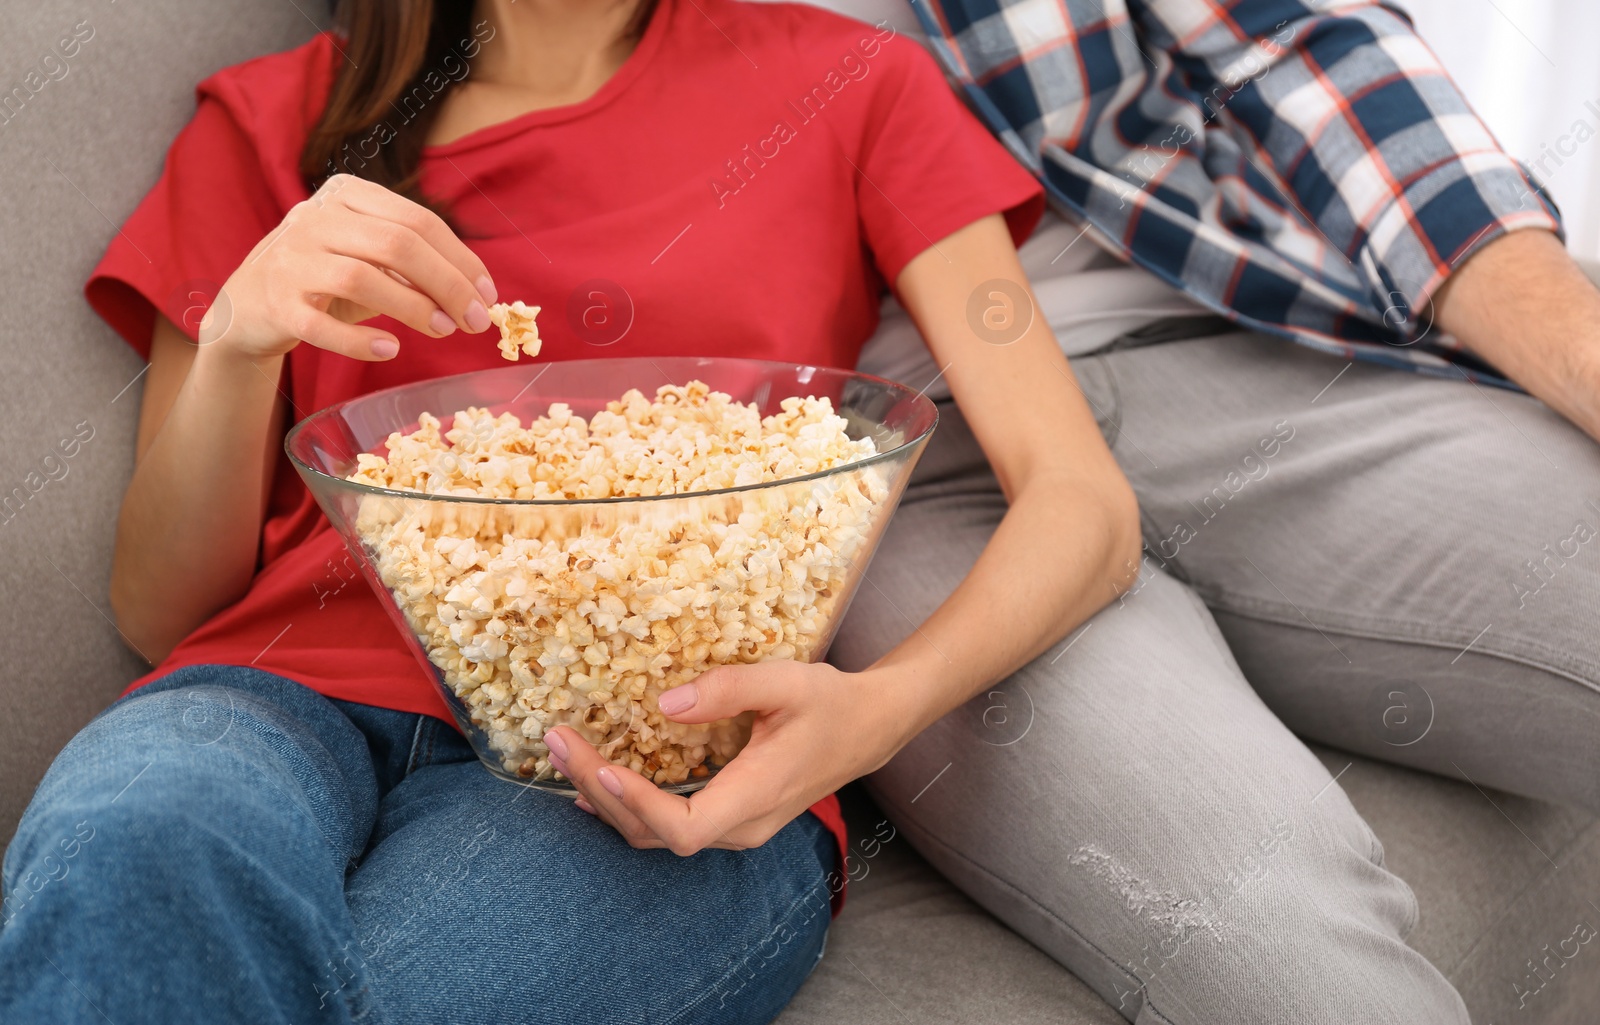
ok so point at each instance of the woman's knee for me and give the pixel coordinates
(178, 765)
(159, 847)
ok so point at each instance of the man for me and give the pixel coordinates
(1395, 563)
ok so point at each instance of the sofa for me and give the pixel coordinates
(1499, 877)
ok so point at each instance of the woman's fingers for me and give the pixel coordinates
(575, 759)
(622, 798)
(326, 331)
(374, 200)
(377, 292)
(389, 245)
(352, 250)
(725, 691)
(725, 815)
(747, 801)
(792, 758)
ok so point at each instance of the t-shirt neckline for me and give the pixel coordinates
(613, 87)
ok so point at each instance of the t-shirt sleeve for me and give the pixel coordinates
(208, 209)
(928, 167)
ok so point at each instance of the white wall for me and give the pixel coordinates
(1532, 70)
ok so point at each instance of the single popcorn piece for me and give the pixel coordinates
(538, 616)
(519, 332)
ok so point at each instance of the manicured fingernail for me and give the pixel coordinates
(441, 323)
(486, 289)
(609, 780)
(557, 745)
(477, 317)
(385, 348)
(584, 806)
(678, 699)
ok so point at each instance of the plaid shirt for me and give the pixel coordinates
(1304, 167)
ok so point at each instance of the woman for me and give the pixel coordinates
(278, 823)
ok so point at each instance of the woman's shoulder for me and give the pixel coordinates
(277, 97)
(827, 31)
(823, 51)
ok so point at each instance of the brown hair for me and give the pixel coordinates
(396, 61)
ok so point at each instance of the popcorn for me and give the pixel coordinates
(518, 331)
(582, 615)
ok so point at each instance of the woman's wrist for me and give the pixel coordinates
(224, 364)
(906, 697)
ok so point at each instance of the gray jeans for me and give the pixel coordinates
(1395, 565)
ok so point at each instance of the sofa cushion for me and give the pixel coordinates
(77, 153)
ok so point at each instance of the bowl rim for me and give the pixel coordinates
(307, 471)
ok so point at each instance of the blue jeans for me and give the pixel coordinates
(225, 845)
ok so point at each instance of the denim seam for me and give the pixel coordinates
(1149, 528)
(416, 743)
(788, 914)
(1141, 985)
(359, 1003)
(1112, 431)
(1149, 1003)
(1147, 524)
(1413, 906)
(428, 736)
(1413, 633)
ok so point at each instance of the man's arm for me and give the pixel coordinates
(1409, 183)
(1524, 305)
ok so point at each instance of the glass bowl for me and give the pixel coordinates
(522, 629)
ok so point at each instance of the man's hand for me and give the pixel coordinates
(1522, 303)
(816, 728)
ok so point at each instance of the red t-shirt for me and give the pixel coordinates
(747, 183)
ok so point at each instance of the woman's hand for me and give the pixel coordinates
(351, 252)
(212, 420)
(816, 728)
